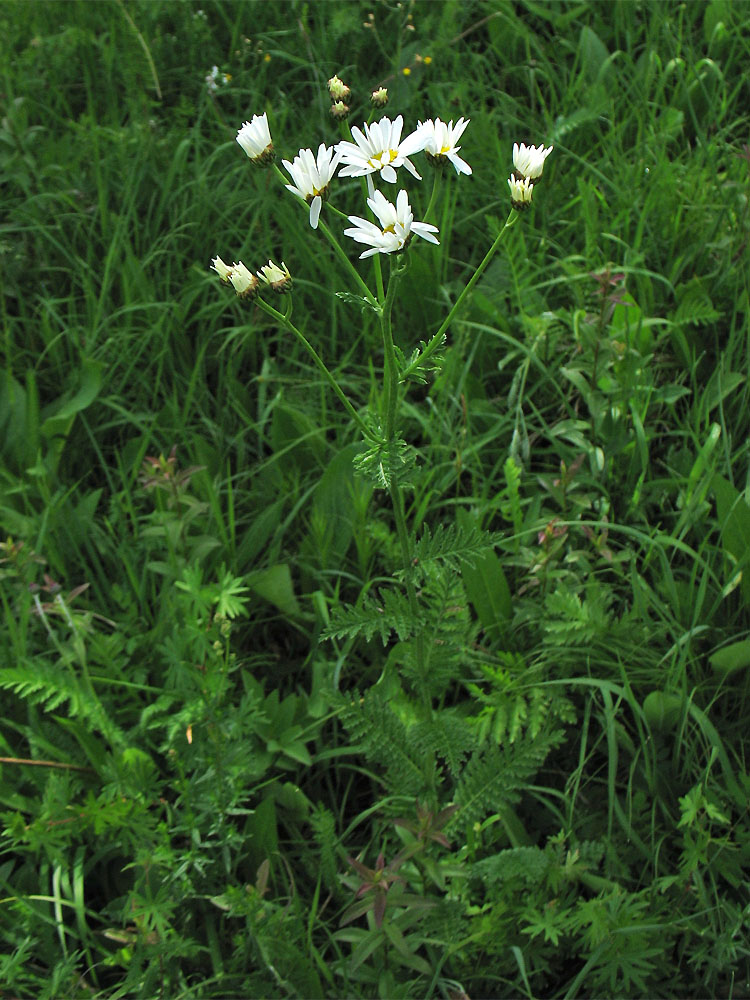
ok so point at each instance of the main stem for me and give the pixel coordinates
(391, 396)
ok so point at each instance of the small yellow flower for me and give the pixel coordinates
(427, 60)
(406, 71)
(267, 57)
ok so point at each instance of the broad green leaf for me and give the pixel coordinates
(275, 586)
(734, 525)
(732, 657)
(62, 414)
(488, 591)
(332, 502)
(662, 709)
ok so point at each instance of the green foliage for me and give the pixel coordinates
(388, 612)
(229, 667)
(452, 545)
(494, 778)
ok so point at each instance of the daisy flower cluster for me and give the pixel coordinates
(529, 164)
(376, 151)
(246, 284)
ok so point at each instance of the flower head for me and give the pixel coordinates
(277, 277)
(529, 160)
(520, 192)
(338, 89)
(255, 139)
(379, 149)
(339, 110)
(312, 177)
(243, 281)
(397, 222)
(221, 268)
(440, 143)
(379, 97)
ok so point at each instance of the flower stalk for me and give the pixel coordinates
(321, 366)
(438, 338)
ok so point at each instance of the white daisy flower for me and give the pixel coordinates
(379, 149)
(520, 192)
(311, 178)
(529, 160)
(277, 277)
(243, 281)
(397, 222)
(255, 139)
(440, 143)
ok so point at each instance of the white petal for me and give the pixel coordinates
(462, 167)
(414, 143)
(388, 174)
(412, 169)
(425, 230)
(315, 207)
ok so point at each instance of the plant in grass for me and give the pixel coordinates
(424, 605)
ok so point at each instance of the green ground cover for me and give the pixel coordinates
(276, 726)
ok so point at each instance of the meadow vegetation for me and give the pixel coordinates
(283, 714)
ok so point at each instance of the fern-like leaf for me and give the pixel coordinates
(388, 613)
(452, 545)
(52, 685)
(495, 777)
(448, 736)
(527, 864)
(383, 737)
(323, 824)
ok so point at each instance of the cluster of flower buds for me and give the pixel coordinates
(529, 164)
(339, 94)
(246, 284)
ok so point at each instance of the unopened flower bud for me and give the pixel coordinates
(277, 277)
(379, 97)
(520, 192)
(529, 160)
(339, 110)
(338, 89)
(255, 139)
(221, 268)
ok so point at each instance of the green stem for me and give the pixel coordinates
(397, 499)
(348, 264)
(391, 386)
(391, 394)
(338, 249)
(435, 187)
(285, 321)
(437, 340)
